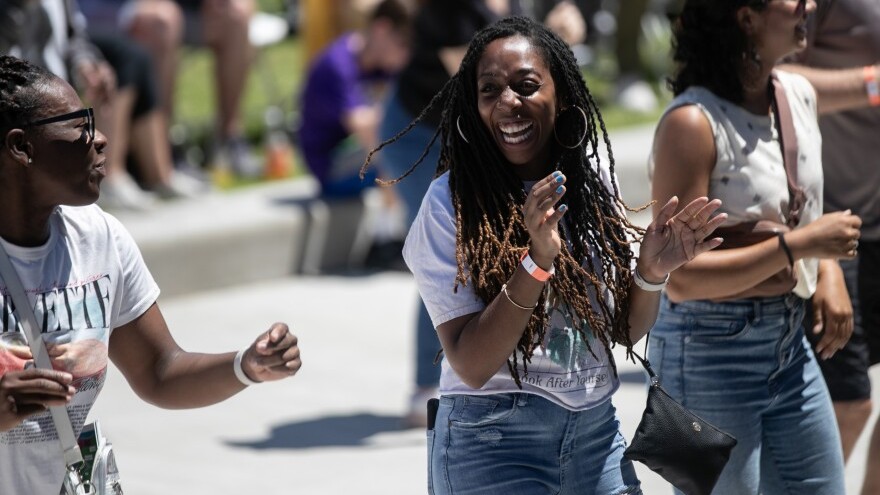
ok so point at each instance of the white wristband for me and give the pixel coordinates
(239, 372)
(648, 286)
(534, 270)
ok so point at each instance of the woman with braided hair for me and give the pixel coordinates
(521, 251)
(93, 298)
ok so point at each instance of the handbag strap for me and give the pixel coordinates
(72, 455)
(788, 143)
(655, 380)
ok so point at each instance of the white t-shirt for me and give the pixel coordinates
(749, 176)
(86, 280)
(566, 370)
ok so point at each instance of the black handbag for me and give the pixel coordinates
(686, 450)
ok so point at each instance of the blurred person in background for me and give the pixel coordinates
(52, 34)
(841, 61)
(163, 26)
(442, 30)
(340, 110)
(340, 102)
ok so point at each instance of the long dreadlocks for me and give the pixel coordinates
(488, 199)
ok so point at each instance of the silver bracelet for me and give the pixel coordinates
(239, 372)
(648, 286)
(506, 294)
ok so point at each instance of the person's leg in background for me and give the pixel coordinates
(397, 159)
(141, 128)
(632, 92)
(158, 26)
(119, 190)
(225, 31)
(846, 373)
(869, 294)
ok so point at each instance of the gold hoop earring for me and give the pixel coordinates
(458, 126)
(583, 134)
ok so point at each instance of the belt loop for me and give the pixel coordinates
(757, 309)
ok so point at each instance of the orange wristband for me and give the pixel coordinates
(534, 270)
(871, 85)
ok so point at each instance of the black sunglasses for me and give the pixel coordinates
(87, 113)
(760, 4)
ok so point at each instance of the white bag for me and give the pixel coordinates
(98, 474)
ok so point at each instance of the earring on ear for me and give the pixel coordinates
(458, 126)
(30, 160)
(571, 125)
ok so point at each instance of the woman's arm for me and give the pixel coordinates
(832, 310)
(837, 89)
(162, 373)
(684, 157)
(477, 345)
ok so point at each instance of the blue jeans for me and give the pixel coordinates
(746, 367)
(397, 158)
(523, 444)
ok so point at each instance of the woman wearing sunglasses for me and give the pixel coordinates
(88, 287)
(729, 340)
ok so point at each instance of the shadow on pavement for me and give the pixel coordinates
(332, 431)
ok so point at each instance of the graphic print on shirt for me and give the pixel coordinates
(74, 322)
(565, 362)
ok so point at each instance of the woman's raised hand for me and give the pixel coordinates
(542, 217)
(672, 240)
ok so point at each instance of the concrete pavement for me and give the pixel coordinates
(335, 428)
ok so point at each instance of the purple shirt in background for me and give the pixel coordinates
(334, 86)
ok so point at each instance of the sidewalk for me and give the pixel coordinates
(332, 429)
(335, 428)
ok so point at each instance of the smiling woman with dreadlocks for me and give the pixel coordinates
(527, 304)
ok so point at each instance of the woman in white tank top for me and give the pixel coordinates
(743, 362)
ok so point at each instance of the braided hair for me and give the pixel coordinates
(711, 50)
(20, 96)
(488, 199)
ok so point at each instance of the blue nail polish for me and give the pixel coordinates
(560, 189)
(559, 178)
(563, 208)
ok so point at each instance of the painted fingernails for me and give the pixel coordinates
(563, 208)
(560, 178)
(560, 189)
